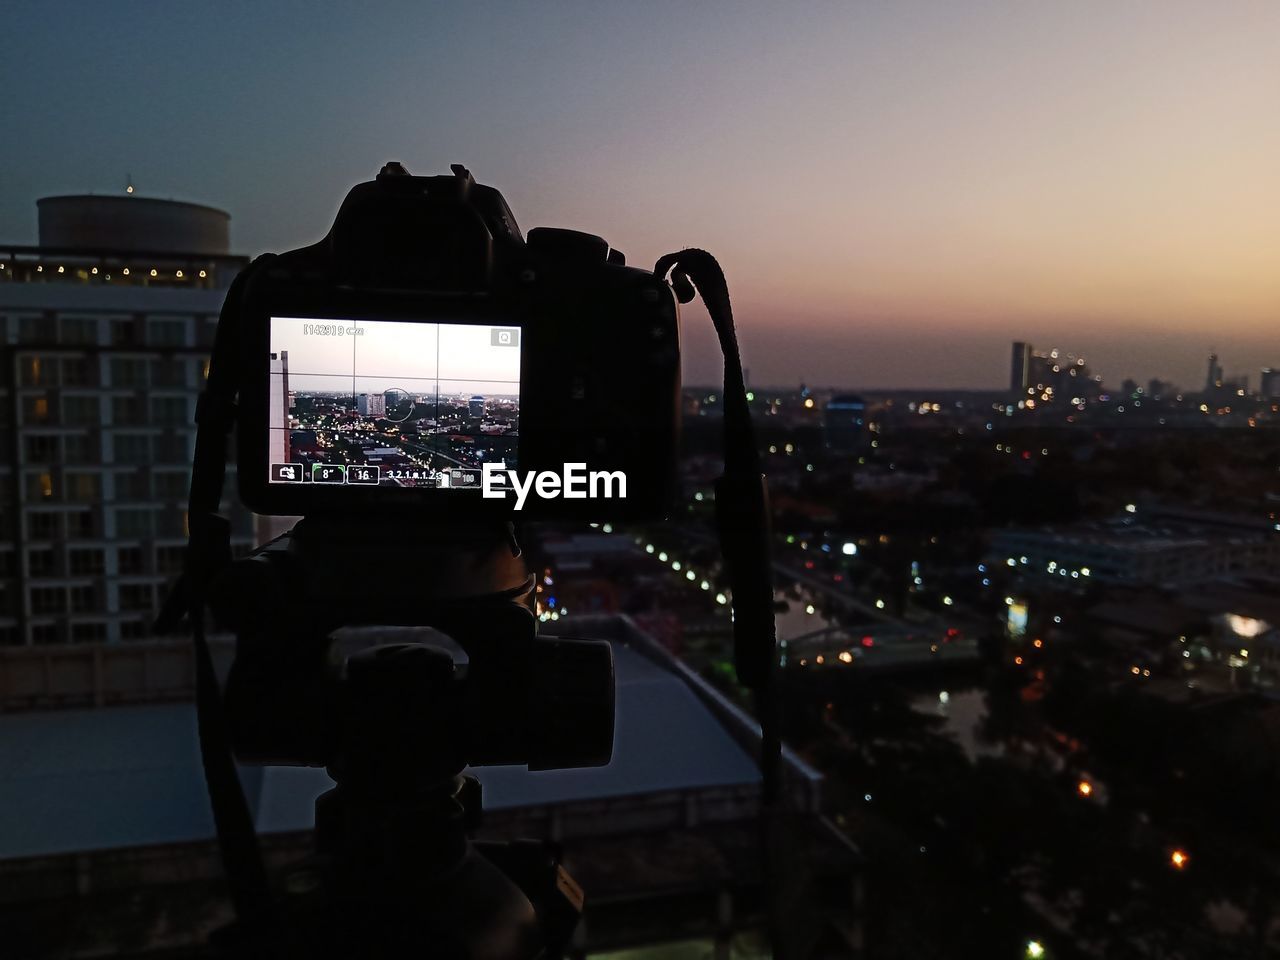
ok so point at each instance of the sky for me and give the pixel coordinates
(895, 190)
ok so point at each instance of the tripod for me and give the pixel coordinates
(395, 872)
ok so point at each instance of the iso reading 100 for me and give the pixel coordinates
(330, 330)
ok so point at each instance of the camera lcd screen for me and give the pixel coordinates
(391, 403)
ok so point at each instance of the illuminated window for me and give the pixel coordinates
(39, 486)
(37, 372)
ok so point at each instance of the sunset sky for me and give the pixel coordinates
(896, 190)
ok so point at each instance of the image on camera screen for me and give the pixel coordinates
(391, 403)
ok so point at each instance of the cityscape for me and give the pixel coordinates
(391, 403)
(411, 440)
(1063, 586)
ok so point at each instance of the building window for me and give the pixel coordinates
(79, 448)
(170, 372)
(132, 448)
(129, 559)
(78, 372)
(9, 636)
(88, 632)
(124, 333)
(44, 526)
(84, 598)
(38, 371)
(170, 410)
(46, 633)
(126, 411)
(84, 487)
(85, 562)
(34, 329)
(42, 448)
(133, 523)
(171, 485)
(48, 600)
(173, 448)
(128, 372)
(83, 525)
(42, 562)
(131, 486)
(167, 333)
(40, 486)
(35, 409)
(79, 330)
(172, 523)
(136, 596)
(81, 410)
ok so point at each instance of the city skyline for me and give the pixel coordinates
(896, 193)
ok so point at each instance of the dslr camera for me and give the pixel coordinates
(426, 357)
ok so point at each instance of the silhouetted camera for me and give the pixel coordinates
(425, 355)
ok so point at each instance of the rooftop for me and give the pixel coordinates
(102, 778)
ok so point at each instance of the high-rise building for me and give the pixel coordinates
(278, 417)
(475, 408)
(372, 404)
(1269, 384)
(845, 423)
(1213, 379)
(105, 332)
(1021, 369)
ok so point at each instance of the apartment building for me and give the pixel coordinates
(105, 330)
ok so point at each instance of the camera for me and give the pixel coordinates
(410, 385)
(425, 356)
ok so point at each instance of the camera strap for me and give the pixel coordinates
(208, 553)
(745, 534)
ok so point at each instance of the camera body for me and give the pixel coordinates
(424, 356)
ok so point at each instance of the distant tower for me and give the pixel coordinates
(1269, 384)
(475, 408)
(1020, 371)
(279, 412)
(1214, 378)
